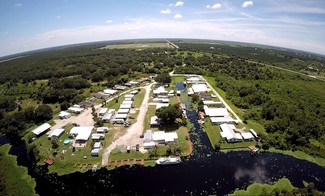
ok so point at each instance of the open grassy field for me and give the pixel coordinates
(176, 79)
(136, 46)
(213, 132)
(265, 189)
(14, 179)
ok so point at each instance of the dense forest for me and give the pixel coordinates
(288, 105)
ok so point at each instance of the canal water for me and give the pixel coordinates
(205, 172)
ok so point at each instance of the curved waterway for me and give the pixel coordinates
(205, 172)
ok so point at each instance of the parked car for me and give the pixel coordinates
(137, 147)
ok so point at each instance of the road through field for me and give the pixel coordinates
(132, 135)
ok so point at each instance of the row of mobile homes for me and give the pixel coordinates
(228, 133)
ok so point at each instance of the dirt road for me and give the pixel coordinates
(132, 135)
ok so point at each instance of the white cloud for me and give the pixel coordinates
(243, 30)
(166, 11)
(247, 4)
(58, 17)
(214, 7)
(18, 4)
(179, 3)
(178, 16)
(108, 21)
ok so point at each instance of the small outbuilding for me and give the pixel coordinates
(95, 152)
(154, 121)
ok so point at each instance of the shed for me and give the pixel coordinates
(56, 133)
(41, 129)
(154, 121)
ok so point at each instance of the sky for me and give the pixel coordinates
(34, 24)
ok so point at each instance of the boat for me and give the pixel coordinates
(168, 160)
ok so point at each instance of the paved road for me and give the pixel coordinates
(132, 136)
(215, 92)
(288, 70)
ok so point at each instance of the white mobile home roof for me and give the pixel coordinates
(97, 136)
(247, 136)
(199, 88)
(127, 99)
(111, 111)
(134, 92)
(160, 105)
(213, 112)
(154, 120)
(121, 116)
(102, 129)
(75, 109)
(127, 102)
(123, 111)
(56, 132)
(64, 114)
(158, 135)
(210, 102)
(110, 91)
(149, 144)
(129, 96)
(221, 120)
(41, 129)
(253, 132)
(107, 116)
(103, 110)
(125, 106)
(147, 137)
(171, 136)
(97, 145)
(83, 132)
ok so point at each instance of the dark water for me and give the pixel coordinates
(205, 172)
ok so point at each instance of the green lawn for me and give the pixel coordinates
(138, 98)
(151, 112)
(176, 79)
(265, 189)
(14, 179)
(212, 131)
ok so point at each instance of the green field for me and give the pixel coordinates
(136, 46)
(14, 179)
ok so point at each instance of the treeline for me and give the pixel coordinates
(290, 108)
(13, 124)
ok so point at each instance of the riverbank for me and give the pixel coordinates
(14, 179)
